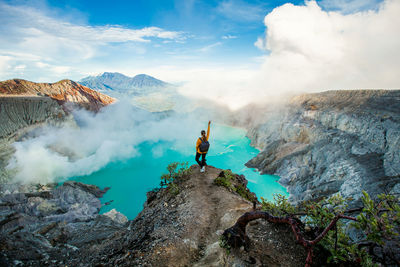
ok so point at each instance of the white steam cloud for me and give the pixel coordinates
(314, 50)
(111, 135)
(309, 50)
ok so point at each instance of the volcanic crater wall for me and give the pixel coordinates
(330, 142)
(20, 114)
(17, 113)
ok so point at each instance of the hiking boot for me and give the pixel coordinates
(203, 169)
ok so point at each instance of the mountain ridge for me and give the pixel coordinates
(116, 81)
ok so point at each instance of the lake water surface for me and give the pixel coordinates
(131, 179)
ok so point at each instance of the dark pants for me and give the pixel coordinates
(203, 159)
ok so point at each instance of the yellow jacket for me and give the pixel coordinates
(199, 141)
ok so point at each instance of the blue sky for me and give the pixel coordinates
(183, 40)
(209, 33)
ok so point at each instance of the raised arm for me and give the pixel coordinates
(208, 130)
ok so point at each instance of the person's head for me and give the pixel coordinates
(203, 133)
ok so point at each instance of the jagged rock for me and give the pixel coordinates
(116, 216)
(336, 141)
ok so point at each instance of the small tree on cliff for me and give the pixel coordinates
(176, 171)
(320, 223)
(167, 178)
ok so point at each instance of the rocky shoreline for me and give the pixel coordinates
(332, 142)
(62, 226)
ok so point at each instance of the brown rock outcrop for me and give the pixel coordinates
(64, 91)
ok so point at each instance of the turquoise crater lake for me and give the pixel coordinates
(131, 179)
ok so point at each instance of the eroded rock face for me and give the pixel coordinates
(336, 141)
(17, 113)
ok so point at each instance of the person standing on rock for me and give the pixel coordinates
(202, 147)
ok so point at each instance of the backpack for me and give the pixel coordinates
(204, 146)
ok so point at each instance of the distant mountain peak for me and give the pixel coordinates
(142, 75)
(111, 74)
(119, 82)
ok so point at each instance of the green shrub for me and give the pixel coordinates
(379, 221)
(225, 179)
(176, 173)
(279, 207)
(173, 189)
(222, 181)
(244, 193)
(229, 175)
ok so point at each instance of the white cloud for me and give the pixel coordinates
(19, 67)
(226, 86)
(29, 36)
(312, 50)
(61, 69)
(21, 55)
(31, 22)
(227, 37)
(4, 63)
(208, 48)
(260, 43)
(42, 64)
